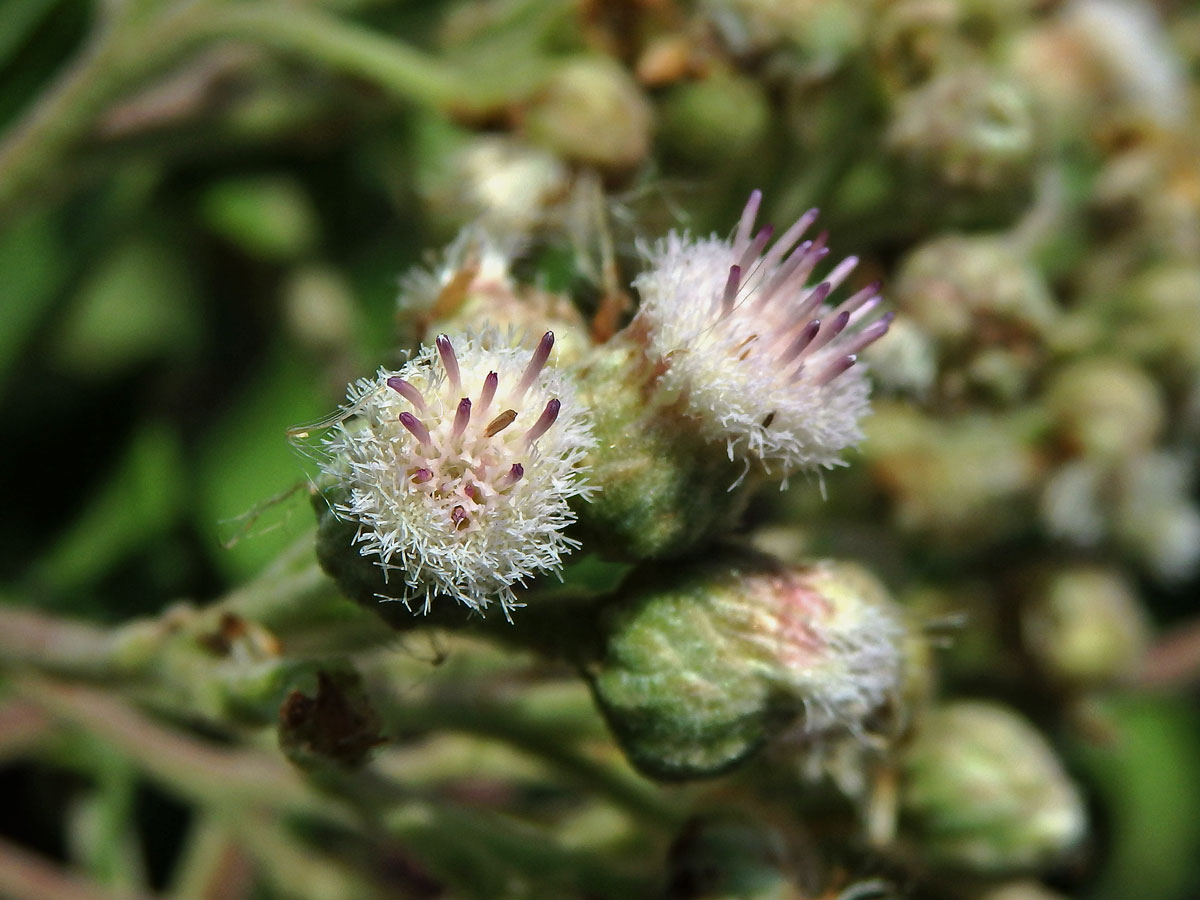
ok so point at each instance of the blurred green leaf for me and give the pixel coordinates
(246, 466)
(32, 260)
(270, 217)
(18, 19)
(1149, 779)
(139, 304)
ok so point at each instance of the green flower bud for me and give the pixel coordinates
(960, 480)
(592, 112)
(1141, 503)
(1105, 408)
(981, 790)
(906, 362)
(1085, 627)
(714, 122)
(704, 664)
(986, 309)
(663, 488)
(970, 135)
(1097, 59)
(1154, 517)
(1158, 319)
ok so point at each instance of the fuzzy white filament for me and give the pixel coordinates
(459, 468)
(761, 357)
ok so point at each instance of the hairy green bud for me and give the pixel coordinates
(986, 310)
(663, 488)
(703, 665)
(970, 135)
(1106, 408)
(981, 790)
(1085, 627)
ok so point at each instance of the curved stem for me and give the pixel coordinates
(397, 69)
(126, 49)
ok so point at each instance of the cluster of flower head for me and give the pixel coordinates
(758, 355)
(460, 466)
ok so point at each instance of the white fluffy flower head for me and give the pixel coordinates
(758, 355)
(459, 468)
(476, 260)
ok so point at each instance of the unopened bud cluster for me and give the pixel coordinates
(475, 469)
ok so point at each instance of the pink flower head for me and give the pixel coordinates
(759, 354)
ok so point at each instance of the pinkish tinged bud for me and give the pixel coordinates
(703, 665)
(753, 350)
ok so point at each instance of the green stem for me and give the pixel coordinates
(219, 778)
(399, 70)
(509, 723)
(30, 877)
(55, 645)
(118, 54)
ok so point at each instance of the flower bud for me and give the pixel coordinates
(1142, 504)
(1157, 320)
(703, 665)
(982, 791)
(960, 480)
(911, 39)
(1084, 626)
(502, 183)
(970, 134)
(1096, 57)
(592, 112)
(473, 282)
(714, 122)
(906, 362)
(1155, 518)
(1105, 408)
(663, 489)
(985, 308)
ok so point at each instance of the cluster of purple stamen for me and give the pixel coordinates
(465, 461)
(803, 339)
